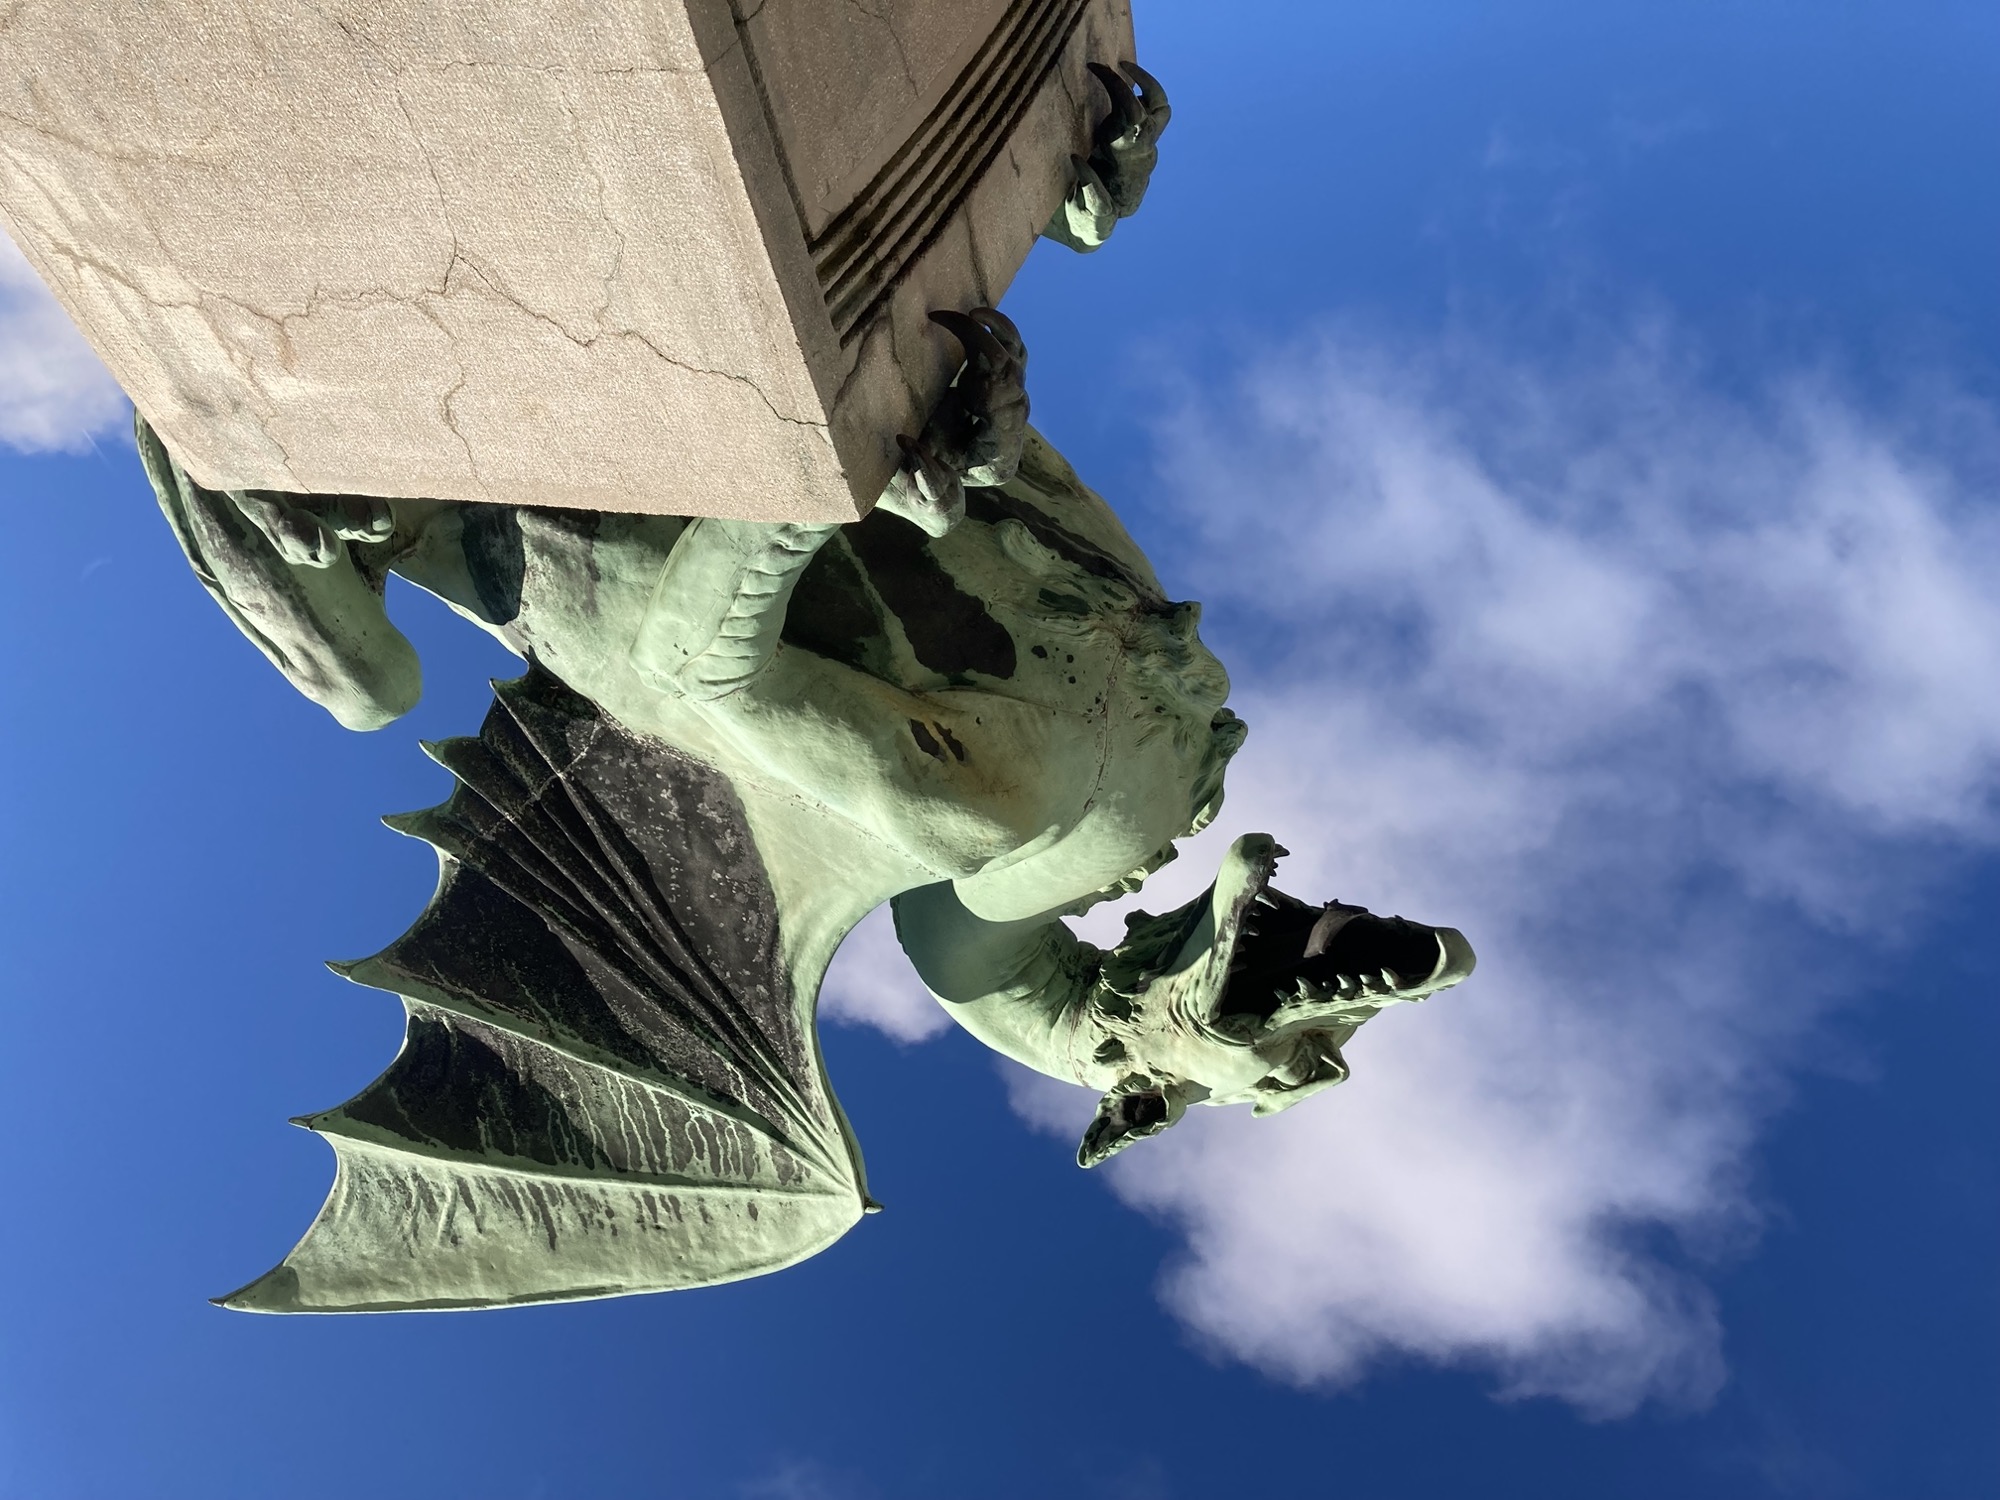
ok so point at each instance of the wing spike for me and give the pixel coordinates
(472, 761)
(422, 824)
(276, 1291)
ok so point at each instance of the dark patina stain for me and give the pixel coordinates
(495, 557)
(950, 631)
(833, 613)
(926, 741)
(995, 505)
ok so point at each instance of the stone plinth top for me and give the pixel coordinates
(655, 255)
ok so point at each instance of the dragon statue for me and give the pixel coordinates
(732, 741)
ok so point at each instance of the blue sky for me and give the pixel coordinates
(1582, 423)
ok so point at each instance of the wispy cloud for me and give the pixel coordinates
(1653, 691)
(55, 394)
(1676, 703)
(872, 984)
(797, 1479)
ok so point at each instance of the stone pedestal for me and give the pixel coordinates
(657, 255)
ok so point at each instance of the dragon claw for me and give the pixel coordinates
(1127, 115)
(1152, 95)
(974, 337)
(1090, 198)
(1004, 332)
(925, 491)
(1124, 150)
(979, 426)
(311, 531)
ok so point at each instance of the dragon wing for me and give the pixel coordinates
(609, 1082)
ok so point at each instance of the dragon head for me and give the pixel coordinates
(1245, 996)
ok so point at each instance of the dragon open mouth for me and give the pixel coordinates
(1243, 957)
(1281, 940)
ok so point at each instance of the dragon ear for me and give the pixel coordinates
(1133, 1110)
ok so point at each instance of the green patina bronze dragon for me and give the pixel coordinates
(733, 741)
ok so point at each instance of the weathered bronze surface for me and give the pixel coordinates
(732, 741)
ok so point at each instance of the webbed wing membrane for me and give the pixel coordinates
(609, 1082)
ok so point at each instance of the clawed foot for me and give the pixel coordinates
(1109, 186)
(924, 491)
(975, 434)
(312, 531)
(978, 427)
(282, 569)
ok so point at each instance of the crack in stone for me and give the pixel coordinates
(603, 203)
(895, 40)
(557, 69)
(493, 285)
(451, 421)
(492, 282)
(131, 157)
(981, 281)
(362, 40)
(200, 304)
(437, 184)
(444, 284)
(693, 369)
(1062, 78)
(445, 401)
(431, 302)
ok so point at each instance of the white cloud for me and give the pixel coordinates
(870, 983)
(796, 1479)
(1656, 694)
(55, 394)
(1675, 703)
